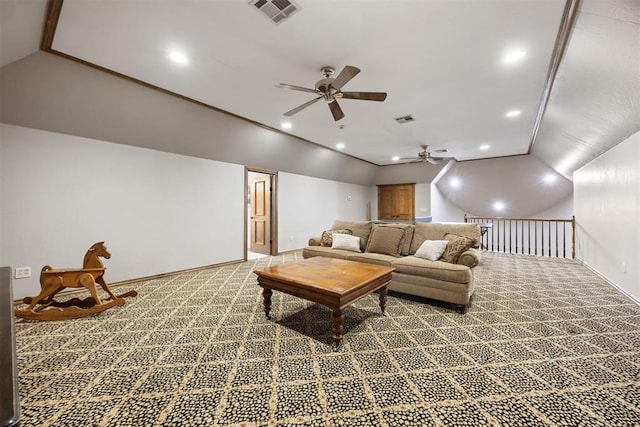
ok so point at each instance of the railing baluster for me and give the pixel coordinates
(504, 235)
(533, 242)
(564, 240)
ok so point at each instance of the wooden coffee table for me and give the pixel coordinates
(334, 283)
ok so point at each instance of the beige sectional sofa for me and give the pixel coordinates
(396, 245)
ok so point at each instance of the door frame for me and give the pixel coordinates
(273, 219)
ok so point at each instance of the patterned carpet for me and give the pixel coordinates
(545, 342)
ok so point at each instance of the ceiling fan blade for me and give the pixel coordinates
(336, 110)
(300, 88)
(345, 75)
(365, 96)
(302, 107)
(433, 161)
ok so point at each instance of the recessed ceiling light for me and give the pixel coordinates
(339, 145)
(499, 206)
(455, 182)
(178, 57)
(285, 125)
(485, 146)
(395, 158)
(513, 113)
(515, 56)
(550, 178)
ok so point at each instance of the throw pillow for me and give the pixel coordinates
(432, 249)
(327, 236)
(473, 243)
(454, 248)
(361, 229)
(408, 235)
(386, 240)
(346, 241)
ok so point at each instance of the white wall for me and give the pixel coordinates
(442, 210)
(157, 212)
(563, 210)
(607, 207)
(307, 206)
(423, 200)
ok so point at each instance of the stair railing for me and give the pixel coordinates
(532, 236)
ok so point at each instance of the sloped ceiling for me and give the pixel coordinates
(593, 104)
(442, 62)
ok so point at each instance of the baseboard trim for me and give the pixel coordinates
(72, 291)
(290, 251)
(600, 275)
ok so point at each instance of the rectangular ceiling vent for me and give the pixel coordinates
(276, 10)
(404, 119)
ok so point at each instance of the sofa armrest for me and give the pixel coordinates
(470, 258)
(314, 241)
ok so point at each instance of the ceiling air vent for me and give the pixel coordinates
(404, 119)
(276, 10)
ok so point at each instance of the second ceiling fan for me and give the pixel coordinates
(426, 156)
(330, 89)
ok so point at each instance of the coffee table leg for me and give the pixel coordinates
(266, 297)
(338, 320)
(383, 298)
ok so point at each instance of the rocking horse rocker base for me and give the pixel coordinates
(70, 309)
(52, 281)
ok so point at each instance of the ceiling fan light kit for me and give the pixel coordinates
(330, 89)
(426, 156)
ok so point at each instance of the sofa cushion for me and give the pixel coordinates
(455, 247)
(361, 229)
(433, 269)
(436, 231)
(372, 258)
(346, 242)
(386, 240)
(327, 236)
(311, 251)
(408, 235)
(432, 249)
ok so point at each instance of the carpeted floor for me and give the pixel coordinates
(545, 342)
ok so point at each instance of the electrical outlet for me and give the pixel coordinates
(22, 272)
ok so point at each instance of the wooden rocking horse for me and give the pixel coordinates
(53, 281)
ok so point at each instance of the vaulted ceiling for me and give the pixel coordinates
(441, 62)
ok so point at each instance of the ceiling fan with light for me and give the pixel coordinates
(330, 89)
(426, 156)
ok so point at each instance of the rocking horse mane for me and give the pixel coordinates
(91, 259)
